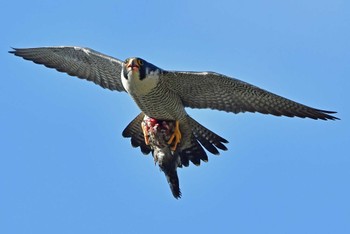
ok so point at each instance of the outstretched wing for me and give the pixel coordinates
(216, 91)
(84, 63)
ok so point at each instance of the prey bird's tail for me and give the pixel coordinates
(173, 181)
(168, 162)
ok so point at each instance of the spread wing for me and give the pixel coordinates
(216, 91)
(84, 63)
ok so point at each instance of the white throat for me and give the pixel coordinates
(137, 87)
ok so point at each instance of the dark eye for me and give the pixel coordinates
(126, 61)
(140, 62)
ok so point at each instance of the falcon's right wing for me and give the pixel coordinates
(84, 63)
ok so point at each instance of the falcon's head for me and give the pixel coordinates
(139, 67)
(138, 74)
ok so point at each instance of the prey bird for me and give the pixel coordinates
(163, 127)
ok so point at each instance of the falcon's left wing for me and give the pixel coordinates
(216, 91)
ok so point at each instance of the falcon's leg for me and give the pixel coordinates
(145, 132)
(176, 137)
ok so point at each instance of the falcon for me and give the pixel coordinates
(163, 127)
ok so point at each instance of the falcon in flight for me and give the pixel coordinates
(163, 127)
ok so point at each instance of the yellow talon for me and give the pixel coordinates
(176, 137)
(145, 132)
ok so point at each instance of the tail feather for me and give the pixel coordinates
(208, 139)
(195, 153)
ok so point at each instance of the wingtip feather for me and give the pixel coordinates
(13, 51)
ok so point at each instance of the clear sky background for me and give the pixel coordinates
(65, 168)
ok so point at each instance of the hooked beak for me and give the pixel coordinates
(132, 65)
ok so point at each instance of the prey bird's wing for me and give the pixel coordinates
(220, 92)
(84, 63)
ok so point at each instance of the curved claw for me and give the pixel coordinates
(145, 132)
(175, 137)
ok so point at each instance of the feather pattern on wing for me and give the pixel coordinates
(81, 62)
(220, 92)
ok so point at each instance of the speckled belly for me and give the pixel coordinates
(160, 105)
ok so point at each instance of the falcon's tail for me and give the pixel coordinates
(201, 136)
(193, 150)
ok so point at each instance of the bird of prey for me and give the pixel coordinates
(163, 127)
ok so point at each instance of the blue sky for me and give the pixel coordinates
(65, 168)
